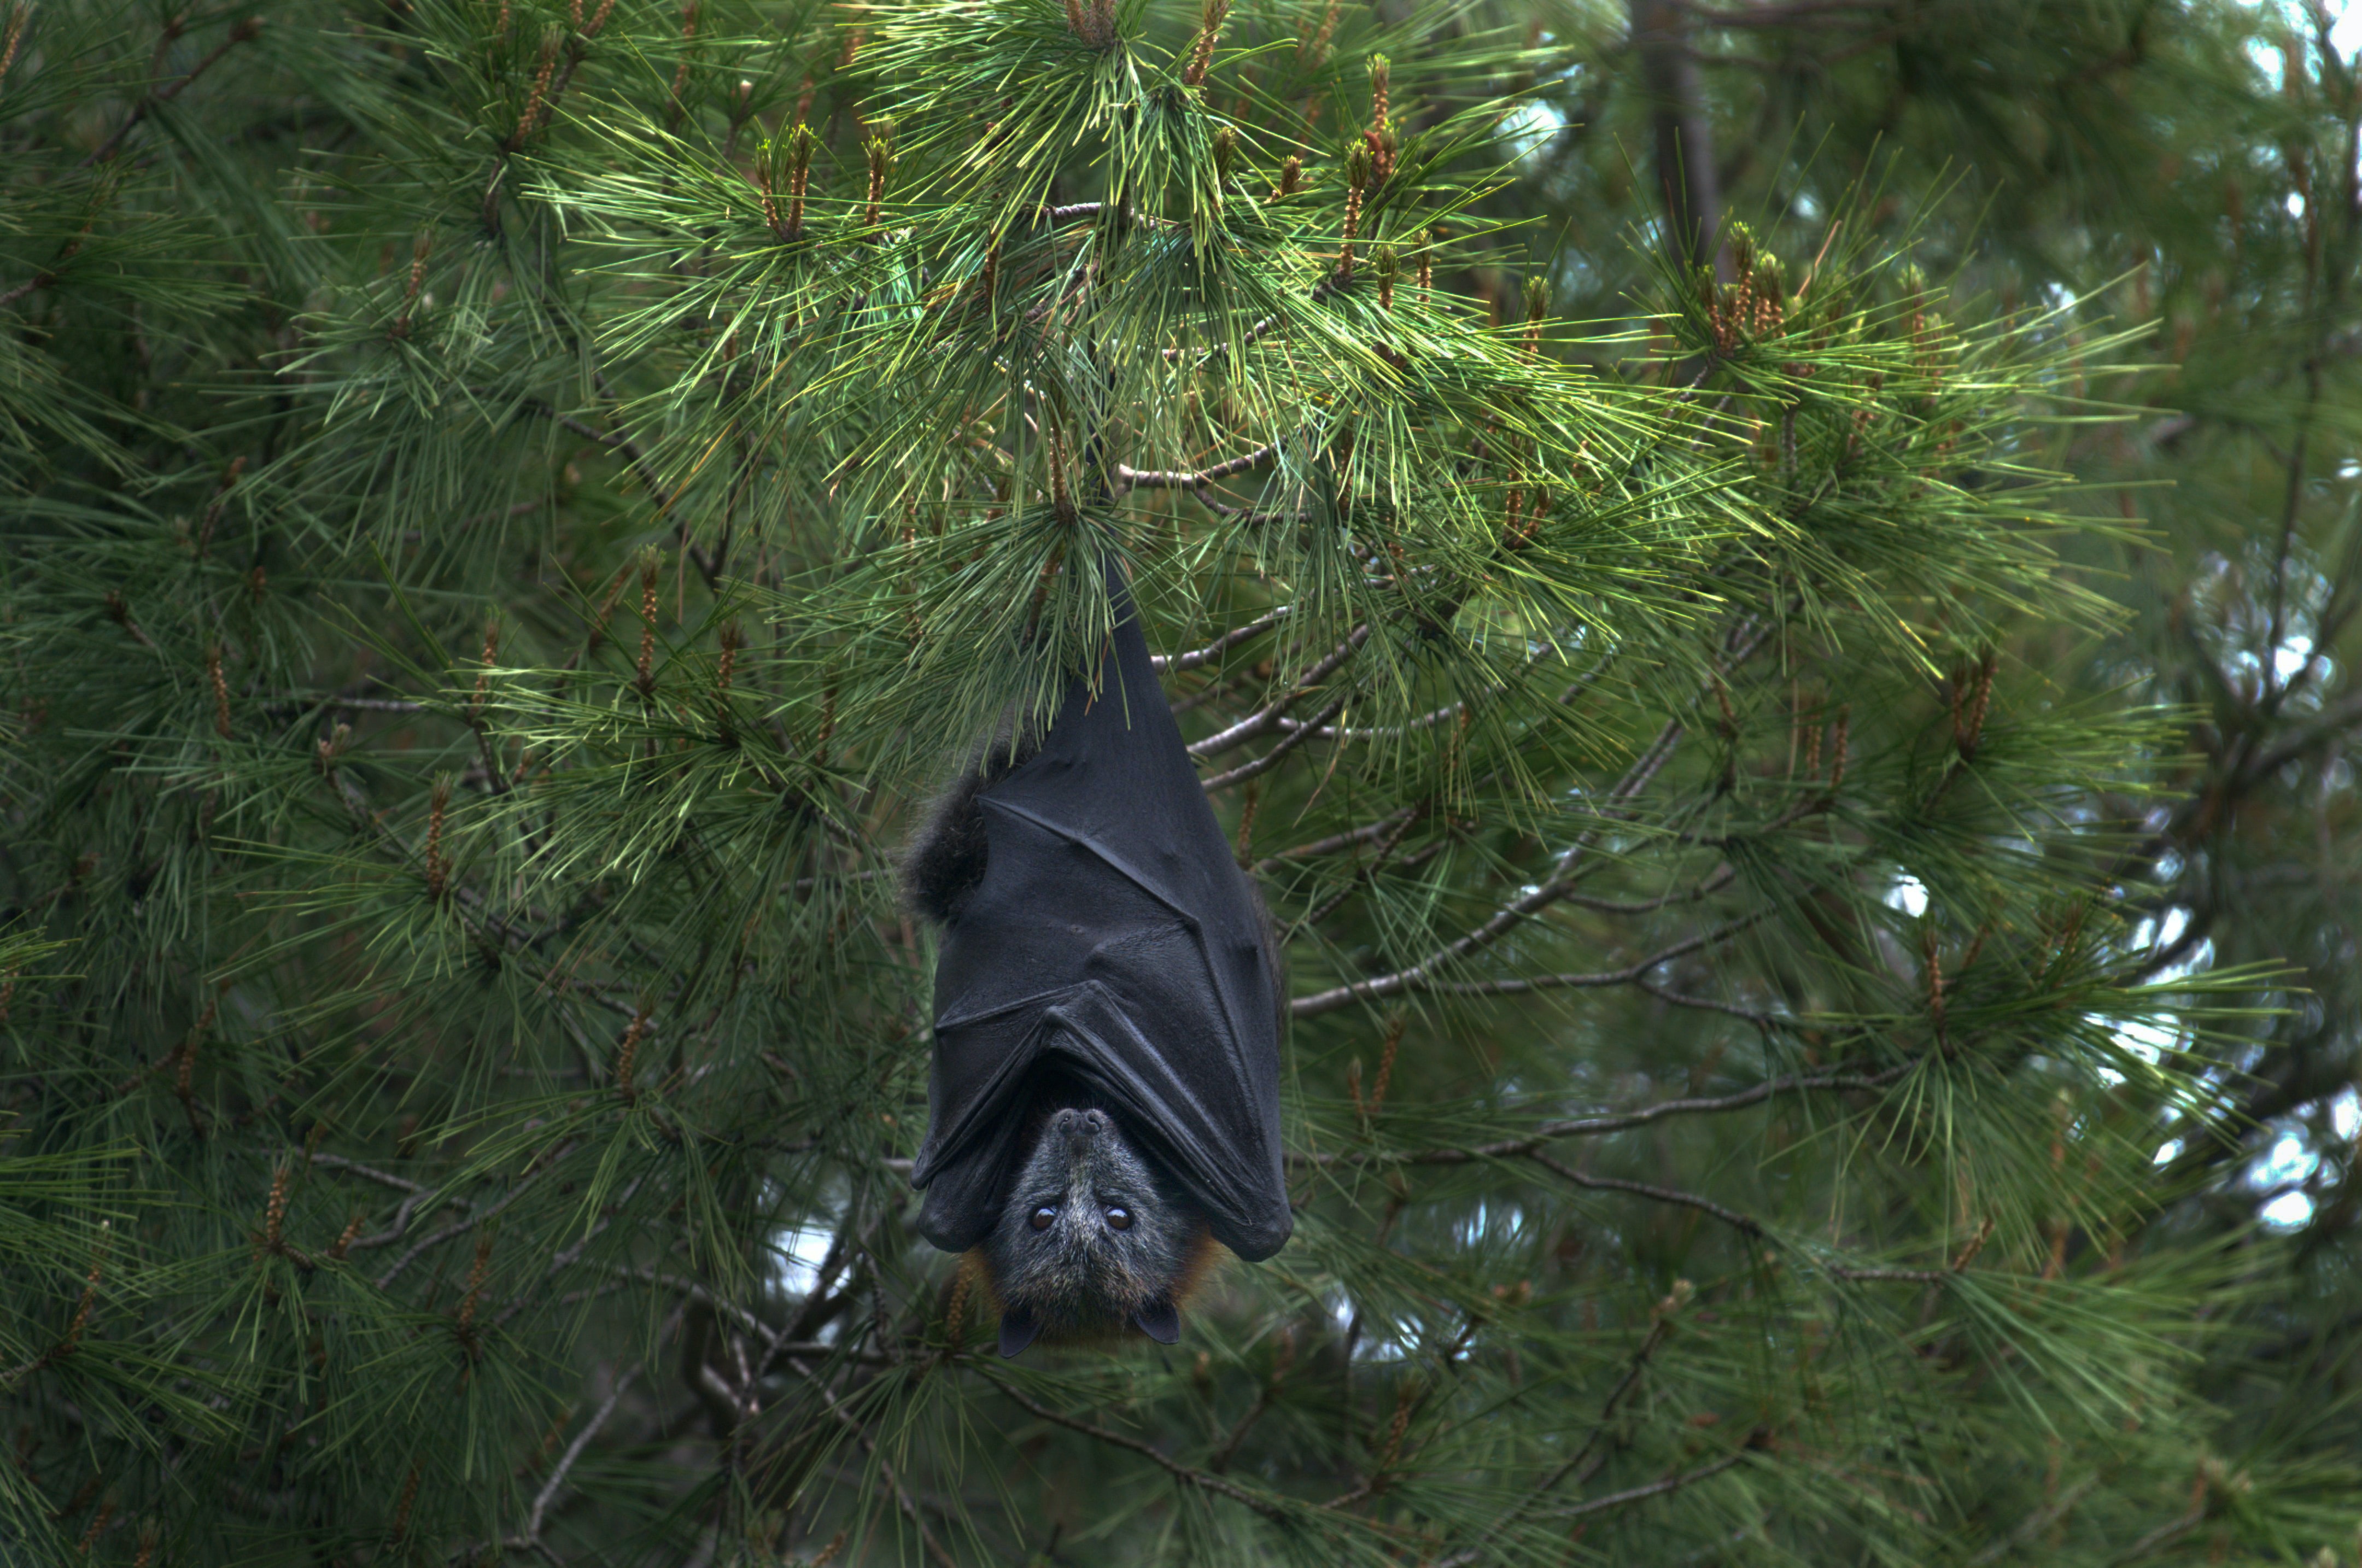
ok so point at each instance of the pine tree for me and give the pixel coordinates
(2188, 170)
(508, 508)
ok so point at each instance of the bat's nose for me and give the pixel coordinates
(1078, 1127)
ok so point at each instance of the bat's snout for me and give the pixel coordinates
(1079, 1129)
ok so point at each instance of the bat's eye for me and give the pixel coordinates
(1042, 1216)
(1118, 1219)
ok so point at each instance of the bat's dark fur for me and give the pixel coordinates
(1078, 1278)
(945, 860)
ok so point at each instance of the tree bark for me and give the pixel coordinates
(1684, 137)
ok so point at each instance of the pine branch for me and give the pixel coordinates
(1840, 1079)
(637, 458)
(1265, 720)
(1204, 1480)
(1629, 975)
(529, 1539)
(1586, 1460)
(1175, 663)
(845, 1418)
(1673, 1483)
(1194, 478)
(1746, 640)
(2036, 1524)
(461, 1227)
(245, 31)
(1337, 842)
(1742, 1223)
(1277, 754)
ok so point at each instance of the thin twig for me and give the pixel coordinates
(2037, 1523)
(242, 32)
(1418, 975)
(1660, 1326)
(885, 1472)
(573, 1451)
(338, 1163)
(1269, 1508)
(1616, 1121)
(1730, 1217)
(461, 1227)
(1277, 754)
(2163, 1535)
(1426, 720)
(1653, 1489)
(1174, 663)
(1197, 479)
(637, 460)
(1624, 977)
(1336, 842)
(1746, 638)
(1258, 722)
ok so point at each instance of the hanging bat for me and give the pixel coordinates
(1104, 1103)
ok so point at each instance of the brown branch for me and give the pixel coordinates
(1426, 720)
(1269, 1508)
(1730, 1217)
(1212, 692)
(1419, 975)
(1246, 1423)
(1623, 977)
(1720, 878)
(1660, 1327)
(1616, 1122)
(648, 1273)
(1263, 721)
(2325, 726)
(1745, 640)
(338, 1163)
(1338, 841)
(1364, 872)
(571, 1256)
(886, 1471)
(1277, 754)
(240, 33)
(299, 705)
(395, 1231)
(461, 1227)
(1653, 1489)
(49, 274)
(1889, 1275)
(2037, 1523)
(1329, 283)
(637, 460)
(2163, 1535)
(1193, 479)
(1684, 135)
(1174, 663)
(1708, 1004)
(530, 1539)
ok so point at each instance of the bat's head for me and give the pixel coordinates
(1091, 1239)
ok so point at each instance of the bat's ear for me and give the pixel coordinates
(1018, 1329)
(1159, 1321)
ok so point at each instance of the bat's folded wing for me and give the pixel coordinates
(1205, 1123)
